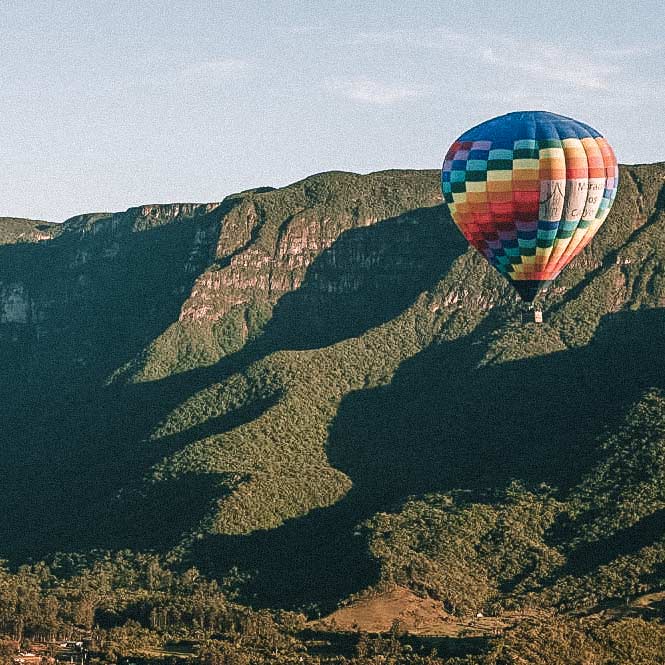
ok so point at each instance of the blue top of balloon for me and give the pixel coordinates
(538, 125)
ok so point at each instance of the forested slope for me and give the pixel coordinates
(320, 389)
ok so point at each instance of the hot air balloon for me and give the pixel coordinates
(529, 190)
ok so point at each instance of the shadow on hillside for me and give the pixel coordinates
(442, 423)
(86, 444)
(94, 300)
(369, 276)
(445, 423)
(396, 260)
(588, 556)
(309, 563)
(69, 443)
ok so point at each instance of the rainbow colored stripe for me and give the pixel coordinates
(529, 190)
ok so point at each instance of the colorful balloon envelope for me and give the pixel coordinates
(529, 190)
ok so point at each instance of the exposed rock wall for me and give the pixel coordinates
(269, 240)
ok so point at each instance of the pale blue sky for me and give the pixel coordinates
(113, 103)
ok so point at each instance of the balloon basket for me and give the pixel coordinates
(530, 314)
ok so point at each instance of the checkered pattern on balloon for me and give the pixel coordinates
(529, 191)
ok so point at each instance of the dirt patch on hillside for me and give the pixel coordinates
(417, 616)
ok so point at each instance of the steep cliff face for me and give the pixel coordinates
(316, 238)
(255, 247)
(269, 240)
(68, 271)
(227, 369)
(14, 230)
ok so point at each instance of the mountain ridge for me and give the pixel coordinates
(262, 373)
(316, 397)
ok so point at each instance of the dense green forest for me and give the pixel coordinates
(220, 422)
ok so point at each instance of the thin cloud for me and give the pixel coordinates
(433, 38)
(379, 38)
(489, 56)
(371, 91)
(307, 29)
(552, 63)
(216, 70)
(586, 69)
